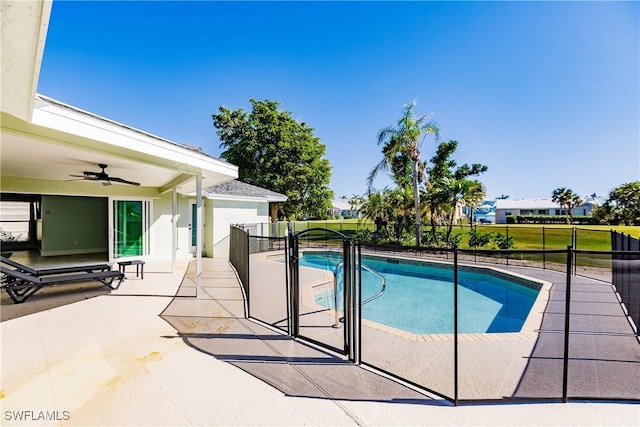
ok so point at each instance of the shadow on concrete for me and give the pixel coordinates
(293, 367)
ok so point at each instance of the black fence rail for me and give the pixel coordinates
(560, 331)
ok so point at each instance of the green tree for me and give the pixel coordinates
(274, 151)
(400, 144)
(402, 205)
(457, 192)
(474, 198)
(567, 199)
(377, 207)
(450, 186)
(622, 206)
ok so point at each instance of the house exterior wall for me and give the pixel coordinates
(209, 226)
(161, 234)
(227, 212)
(54, 226)
(502, 214)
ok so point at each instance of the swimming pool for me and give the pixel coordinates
(419, 295)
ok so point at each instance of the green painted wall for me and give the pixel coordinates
(73, 225)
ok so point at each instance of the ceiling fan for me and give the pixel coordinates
(103, 177)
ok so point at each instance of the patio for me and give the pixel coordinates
(140, 357)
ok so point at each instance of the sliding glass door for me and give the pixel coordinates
(130, 228)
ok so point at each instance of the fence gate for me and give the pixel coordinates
(324, 289)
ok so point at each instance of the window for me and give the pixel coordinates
(19, 215)
(14, 221)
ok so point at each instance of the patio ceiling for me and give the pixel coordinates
(36, 152)
(31, 158)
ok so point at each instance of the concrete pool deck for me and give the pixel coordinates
(135, 358)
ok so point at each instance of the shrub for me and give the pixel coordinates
(428, 239)
(479, 239)
(454, 240)
(555, 219)
(364, 235)
(504, 242)
(512, 219)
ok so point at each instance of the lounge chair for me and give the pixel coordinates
(89, 268)
(21, 282)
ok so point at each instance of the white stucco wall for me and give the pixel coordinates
(161, 228)
(227, 212)
(24, 27)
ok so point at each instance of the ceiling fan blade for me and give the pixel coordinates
(103, 177)
(123, 181)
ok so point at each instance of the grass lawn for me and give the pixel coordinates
(557, 236)
(526, 236)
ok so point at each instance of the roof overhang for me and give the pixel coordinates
(24, 30)
(62, 140)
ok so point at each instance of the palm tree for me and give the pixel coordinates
(401, 144)
(475, 196)
(401, 202)
(567, 199)
(457, 192)
(376, 207)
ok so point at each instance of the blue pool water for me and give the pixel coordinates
(419, 296)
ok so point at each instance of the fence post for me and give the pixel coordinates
(507, 241)
(475, 248)
(455, 325)
(248, 242)
(567, 313)
(544, 249)
(293, 274)
(574, 242)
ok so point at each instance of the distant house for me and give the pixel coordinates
(233, 202)
(485, 213)
(515, 207)
(345, 210)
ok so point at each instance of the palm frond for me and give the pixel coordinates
(383, 165)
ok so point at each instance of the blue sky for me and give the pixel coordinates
(546, 94)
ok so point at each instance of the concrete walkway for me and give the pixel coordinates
(139, 357)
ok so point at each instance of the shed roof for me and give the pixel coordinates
(238, 190)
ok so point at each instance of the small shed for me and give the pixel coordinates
(235, 202)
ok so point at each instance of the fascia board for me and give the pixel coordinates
(243, 198)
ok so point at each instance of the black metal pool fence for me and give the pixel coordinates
(580, 340)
